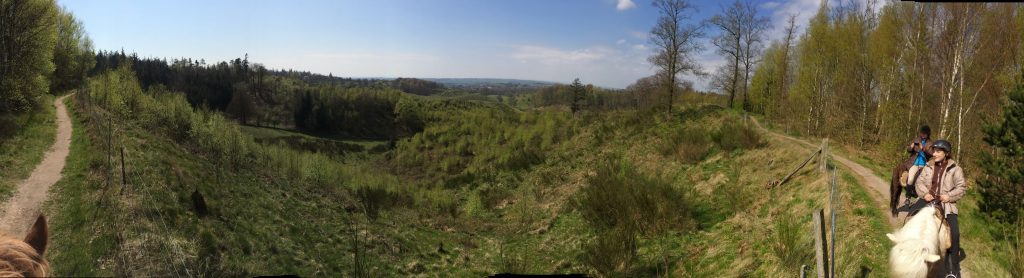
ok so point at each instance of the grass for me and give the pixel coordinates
(483, 189)
(302, 141)
(22, 151)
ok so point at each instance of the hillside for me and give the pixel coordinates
(497, 191)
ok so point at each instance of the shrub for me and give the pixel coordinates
(377, 198)
(687, 144)
(734, 135)
(619, 196)
(612, 252)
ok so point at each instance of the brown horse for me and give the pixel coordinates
(899, 177)
(24, 258)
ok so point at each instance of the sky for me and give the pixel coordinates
(603, 42)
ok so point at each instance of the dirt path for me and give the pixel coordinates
(879, 187)
(23, 208)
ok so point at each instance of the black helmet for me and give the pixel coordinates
(944, 145)
(926, 130)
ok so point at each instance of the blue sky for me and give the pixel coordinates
(600, 41)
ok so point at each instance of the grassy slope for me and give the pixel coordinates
(20, 153)
(265, 224)
(257, 224)
(747, 243)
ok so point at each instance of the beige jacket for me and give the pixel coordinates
(952, 184)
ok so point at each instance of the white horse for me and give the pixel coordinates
(918, 244)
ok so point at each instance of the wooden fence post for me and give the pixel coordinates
(820, 252)
(124, 176)
(824, 155)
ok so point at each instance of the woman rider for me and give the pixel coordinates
(942, 182)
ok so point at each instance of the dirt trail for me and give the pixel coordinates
(23, 208)
(879, 187)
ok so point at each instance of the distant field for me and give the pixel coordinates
(312, 143)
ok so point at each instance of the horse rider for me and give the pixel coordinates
(941, 183)
(921, 151)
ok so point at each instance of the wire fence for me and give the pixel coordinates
(106, 128)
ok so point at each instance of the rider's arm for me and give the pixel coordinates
(920, 185)
(959, 187)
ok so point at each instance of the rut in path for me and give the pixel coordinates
(879, 187)
(22, 209)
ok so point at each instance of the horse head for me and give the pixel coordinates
(20, 258)
(917, 244)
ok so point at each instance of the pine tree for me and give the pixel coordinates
(578, 95)
(1002, 185)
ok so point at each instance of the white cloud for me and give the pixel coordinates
(621, 41)
(549, 56)
(625, 5)
(612, 65)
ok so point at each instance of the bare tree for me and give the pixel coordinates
(728, 43)
(741, 40)
(753, 29)
(676, 42)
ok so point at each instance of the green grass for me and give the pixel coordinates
(22, 151)
(294, 138)
(483, 189)
(75, 243)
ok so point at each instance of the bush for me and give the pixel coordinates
(687, 144)
(612, 253)
(377, 198)
(734, 135)
(620, 197)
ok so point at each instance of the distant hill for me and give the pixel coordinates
(492, 86)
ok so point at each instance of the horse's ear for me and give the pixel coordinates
(931, 258)
(38, 235)
(891, 237)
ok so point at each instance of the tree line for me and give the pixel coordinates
(870, 79)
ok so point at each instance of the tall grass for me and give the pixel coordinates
(789, 244)
(1016, 257)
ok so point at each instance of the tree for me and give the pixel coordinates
(740, 40)
(1001, 186)
(72, 55)
(676, 43)
(579, 94)
(27, 35)
(242, 105)
(753, 28)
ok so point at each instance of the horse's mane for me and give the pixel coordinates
(18, 259)
(24, 258)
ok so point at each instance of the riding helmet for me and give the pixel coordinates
(944, 145)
